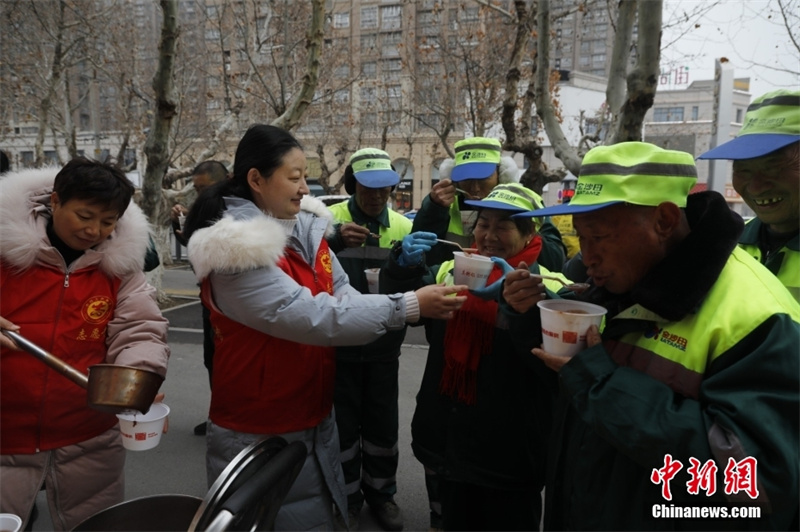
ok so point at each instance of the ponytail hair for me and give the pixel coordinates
(262, 147)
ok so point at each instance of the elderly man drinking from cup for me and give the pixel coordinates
(694, 378)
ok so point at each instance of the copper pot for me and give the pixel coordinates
(110, 387)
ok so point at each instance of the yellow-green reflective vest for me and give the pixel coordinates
(694, 342)
(399, 226)
(789, 272)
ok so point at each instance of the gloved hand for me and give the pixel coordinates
(492, 292)
(414, 246)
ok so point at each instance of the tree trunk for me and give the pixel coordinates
(615, 91)
(643, 80)
(291, 117)
(157, 145)
(53, 81)
(544, 104)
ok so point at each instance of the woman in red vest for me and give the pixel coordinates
(72, 245)
(280, 302)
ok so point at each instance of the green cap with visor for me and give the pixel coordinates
(373, 168)
(629, 172)
(476, 158)
(510, 197)
(772, 122)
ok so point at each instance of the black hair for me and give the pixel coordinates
(99, 183)
(213, 169)
(350, 179)
(525, 226)
(5, 164)
(262, 147)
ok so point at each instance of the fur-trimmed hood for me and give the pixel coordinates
(25, 212)
(509, 171)
(246, 239)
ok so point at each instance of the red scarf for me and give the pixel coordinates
(470, 334)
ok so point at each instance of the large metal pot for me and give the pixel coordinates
(110, 387)
(152, 513)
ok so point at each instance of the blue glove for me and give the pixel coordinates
(414, 246)
(492, 292)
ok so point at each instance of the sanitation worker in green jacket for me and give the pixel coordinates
(683, 414)
(766, 174)
(366, 393)
(478, 167)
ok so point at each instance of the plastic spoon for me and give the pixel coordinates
(468, 251)
(575, 287)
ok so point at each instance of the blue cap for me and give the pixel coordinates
(772, 122)
(373, 168)
(476, 158)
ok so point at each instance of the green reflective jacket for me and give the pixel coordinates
(785, 264)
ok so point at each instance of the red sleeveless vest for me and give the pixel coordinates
(41, 409)
(267, 385)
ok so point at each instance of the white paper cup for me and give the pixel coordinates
(372, 279)
(141, 432)
(564, 324)
(472, 270)
(10, 523)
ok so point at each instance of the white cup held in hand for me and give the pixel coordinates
(471, 269)
(373, 275)
(565, 323)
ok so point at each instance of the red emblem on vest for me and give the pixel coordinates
(96, 309)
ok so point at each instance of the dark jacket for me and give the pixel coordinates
(391, 227)
(500, 442)
(434, 218)
(699, 361)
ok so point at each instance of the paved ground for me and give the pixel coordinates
(177, 465)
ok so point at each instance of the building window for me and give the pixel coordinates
(212, 35)
(369, 70)
(369, 17)
(342, 96)
(738, 116)
(391, 17)
(341, 20)
(471, 14)
(394, 96)
(390, 68)
(369, 42)
(389, 42)
(368, 95)
(695, 112)
(668, 114)
(342, 71)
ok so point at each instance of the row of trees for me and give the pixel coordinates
(218, 66)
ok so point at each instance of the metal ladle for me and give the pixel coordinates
(110, 388)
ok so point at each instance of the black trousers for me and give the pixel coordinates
(472, 507)
(365, 401)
